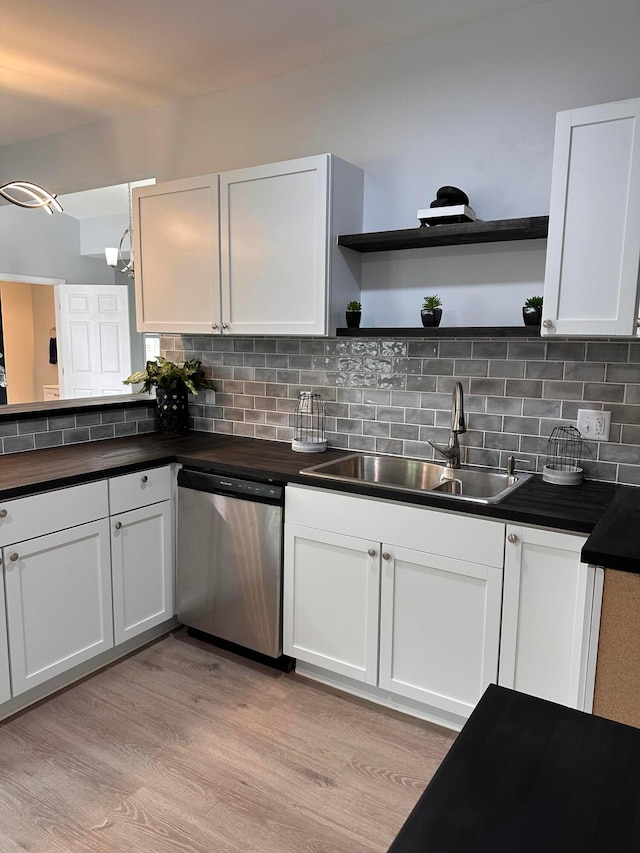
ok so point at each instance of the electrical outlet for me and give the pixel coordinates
(594, 424)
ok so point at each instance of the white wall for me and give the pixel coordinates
(474, 107)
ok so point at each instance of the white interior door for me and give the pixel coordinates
(94, 350)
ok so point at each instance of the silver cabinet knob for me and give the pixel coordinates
(118, 525)
(144, 479)
(225, 325)
(637, 322)
(372, 552)
(548, 324)
(512, 538)
(14, 557)
(386, 555)
(214, 325)
(3, 513)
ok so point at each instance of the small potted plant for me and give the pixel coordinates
(172, 382)
(353, 314)
(431, 313)
(532, 311)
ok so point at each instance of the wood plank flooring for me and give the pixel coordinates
(184, 747)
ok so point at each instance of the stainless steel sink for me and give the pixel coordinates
(467, 483)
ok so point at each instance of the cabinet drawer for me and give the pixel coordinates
(38, 515)
(141, 488)
(432, 531)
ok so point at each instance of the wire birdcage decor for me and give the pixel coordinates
(309, 424)
(564, 455)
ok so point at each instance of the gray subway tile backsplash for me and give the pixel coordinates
(390, 396)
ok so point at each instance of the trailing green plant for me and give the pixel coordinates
(431, 303)
(168, 376)
(533, 302)
(354, 306)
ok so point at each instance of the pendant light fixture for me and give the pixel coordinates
(30, 195)
(114, 255)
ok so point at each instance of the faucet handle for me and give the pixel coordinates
(512, 461)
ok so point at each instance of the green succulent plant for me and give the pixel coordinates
(164, 374)
(431, 303)
(354, 306)
(533, 302)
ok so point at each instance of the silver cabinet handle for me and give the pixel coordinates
(386, 555)
(14, 557)
(548, 324)
(118, 525)
(3, 513)
(512, 538)
(372, 552)
(144, 479)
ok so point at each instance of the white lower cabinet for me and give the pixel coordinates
(5, 681)
(142, 566)
(548, 619)
(439, 628)
(58, 590)
(69, 578)
(421, 622)
(332, 584)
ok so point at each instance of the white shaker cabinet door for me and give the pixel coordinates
(5, 683)
(177, 257)
(273, 222)
(58, 590)
(439, 628)
(331, 601)
(547, 616)
(142, 565)
(593, 248)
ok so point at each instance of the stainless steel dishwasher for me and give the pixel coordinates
(229, 575)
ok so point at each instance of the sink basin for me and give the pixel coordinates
(467, 483)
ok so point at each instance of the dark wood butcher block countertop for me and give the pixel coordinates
(568, 508)
(529, 776)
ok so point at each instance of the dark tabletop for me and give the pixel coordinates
(529, 776)
(615, 542)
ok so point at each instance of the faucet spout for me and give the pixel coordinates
(452, 451)
(458, 425)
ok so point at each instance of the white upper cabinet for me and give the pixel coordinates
(270, 266)
(176, 251)
(282, 271)
(593, 250)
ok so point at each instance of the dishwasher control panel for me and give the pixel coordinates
(206, 482)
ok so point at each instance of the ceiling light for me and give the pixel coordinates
(30, 195)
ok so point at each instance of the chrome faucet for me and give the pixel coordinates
(452, 451)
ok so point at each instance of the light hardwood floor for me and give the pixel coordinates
(184, 747)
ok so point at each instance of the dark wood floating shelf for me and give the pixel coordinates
(496, 231)
(443, 332)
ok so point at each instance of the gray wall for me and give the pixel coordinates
(35, 244)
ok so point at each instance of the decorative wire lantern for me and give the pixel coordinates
(564, 455)
(308, 424)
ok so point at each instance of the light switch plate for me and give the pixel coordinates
(594, 424)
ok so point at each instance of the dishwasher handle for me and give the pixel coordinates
(204, 481)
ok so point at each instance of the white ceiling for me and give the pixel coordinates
(65, 63)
